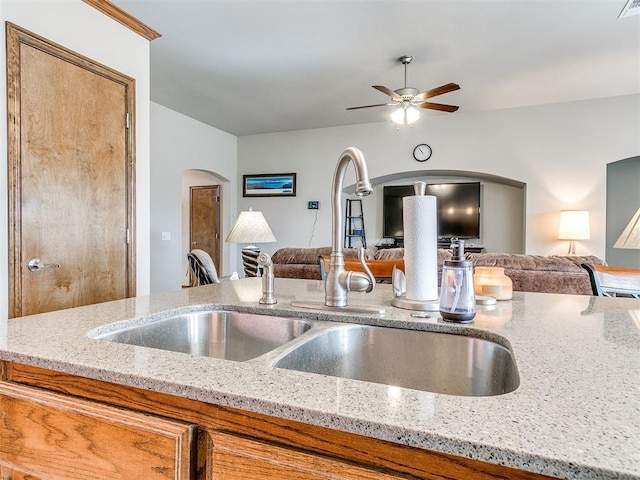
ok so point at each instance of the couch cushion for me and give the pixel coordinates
(296, 270)
(541, 263)
(576, 283)
(398, 253)
(310, 256)
(580, 259)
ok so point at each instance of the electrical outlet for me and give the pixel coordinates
(314, 205)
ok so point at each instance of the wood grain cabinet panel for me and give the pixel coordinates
(240, 445)
(237, 458)
(10, 474)
(56, 437)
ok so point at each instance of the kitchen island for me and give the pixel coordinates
(575, 414)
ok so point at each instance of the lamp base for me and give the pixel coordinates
(250, 255)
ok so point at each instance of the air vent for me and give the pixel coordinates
(632, 7)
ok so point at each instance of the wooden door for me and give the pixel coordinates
(204, 212)
(71, 184)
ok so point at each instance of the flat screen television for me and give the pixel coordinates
(458, 206)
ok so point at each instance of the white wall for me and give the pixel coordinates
(81, 28)
(181, 143)
(560, 151)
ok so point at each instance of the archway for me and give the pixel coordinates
(503, 205)
(191, 180)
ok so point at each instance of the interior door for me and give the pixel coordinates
(71, 178)
(204, 231)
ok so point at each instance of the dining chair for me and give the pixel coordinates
(613, 281)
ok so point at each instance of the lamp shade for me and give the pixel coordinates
(574, 225)
(630, 236)
(250, 227)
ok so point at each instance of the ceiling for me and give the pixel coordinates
(263, 66)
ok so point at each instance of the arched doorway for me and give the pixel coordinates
(201, 216)
(502, 211)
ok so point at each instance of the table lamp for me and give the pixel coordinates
(574, 225)
(250, 227)
(630, 236)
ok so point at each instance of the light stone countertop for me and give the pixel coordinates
(576, 413)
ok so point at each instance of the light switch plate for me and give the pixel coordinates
(166, 235)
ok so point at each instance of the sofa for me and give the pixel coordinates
(529, 273)
(303, 262)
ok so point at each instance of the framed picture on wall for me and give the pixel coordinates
(269, 185)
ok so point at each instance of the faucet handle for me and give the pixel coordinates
(367, 270)
(264, 260)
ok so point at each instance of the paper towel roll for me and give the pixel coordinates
(420, 247)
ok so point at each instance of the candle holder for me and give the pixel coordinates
(492, 281)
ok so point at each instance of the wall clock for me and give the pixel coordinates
(422, 152)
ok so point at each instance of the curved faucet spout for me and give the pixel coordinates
(363, 188)
(339, 282)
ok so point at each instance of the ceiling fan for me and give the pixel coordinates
(408, 97)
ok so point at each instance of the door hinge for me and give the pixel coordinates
(128, 239)
(127, 120)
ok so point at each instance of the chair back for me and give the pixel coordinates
(202, 268)
(613, 281)
(381, 269)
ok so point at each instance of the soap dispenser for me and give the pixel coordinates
(457, 297)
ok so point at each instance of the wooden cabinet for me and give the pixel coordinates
(58, 437)
(237, 458)
(10, 474)
(63, 436)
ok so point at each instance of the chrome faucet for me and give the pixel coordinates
(340, 281)
(264, 260)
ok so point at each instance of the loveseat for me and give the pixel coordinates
(529, 273)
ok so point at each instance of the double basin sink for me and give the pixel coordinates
(421, 360)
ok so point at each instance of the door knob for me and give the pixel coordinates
(35, 265)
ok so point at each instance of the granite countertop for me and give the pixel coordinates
(576, 413)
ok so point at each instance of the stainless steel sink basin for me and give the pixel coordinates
(219, 334)
(421, 360)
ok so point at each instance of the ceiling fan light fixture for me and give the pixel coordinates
(405, 115)
(412, 114)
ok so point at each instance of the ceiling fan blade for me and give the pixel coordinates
(449, 87)
(368, 106)
(439, 106)
(387, 91)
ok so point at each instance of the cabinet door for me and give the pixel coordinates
(58, 437)
(240, 458)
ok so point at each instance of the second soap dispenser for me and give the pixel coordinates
(457, 297)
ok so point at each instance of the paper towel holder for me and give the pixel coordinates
(399, 299)
(421, 305)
